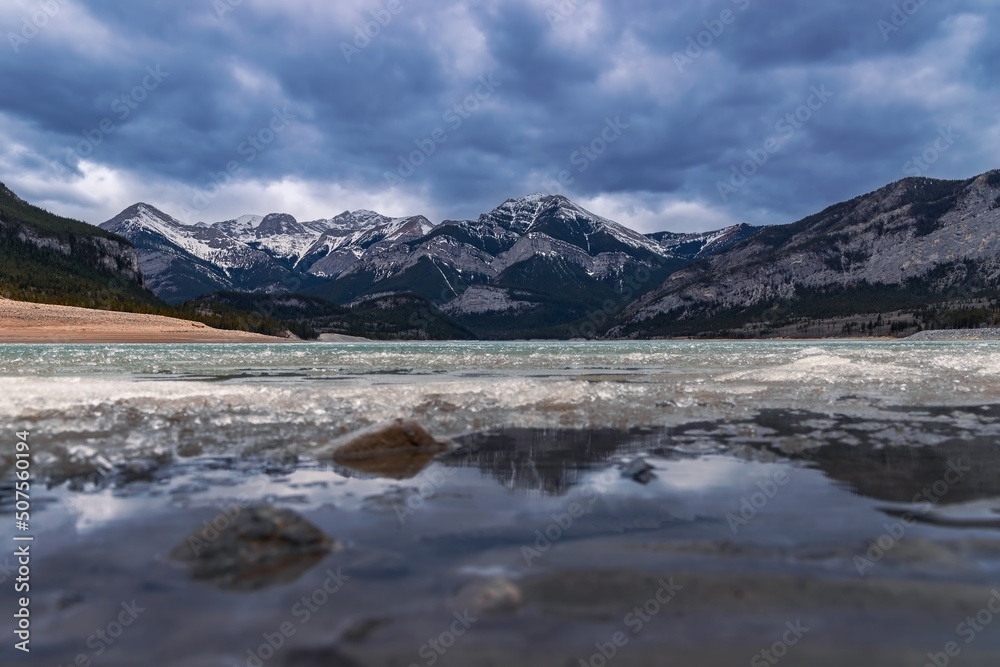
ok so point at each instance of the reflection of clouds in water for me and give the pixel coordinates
(704, 474)
(211, 489)
(92, 511)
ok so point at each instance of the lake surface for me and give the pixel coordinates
(806, 503)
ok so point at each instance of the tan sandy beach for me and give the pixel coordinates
(23, 322)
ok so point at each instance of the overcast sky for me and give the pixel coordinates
(644, 112)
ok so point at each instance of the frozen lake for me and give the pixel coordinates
(834, 503)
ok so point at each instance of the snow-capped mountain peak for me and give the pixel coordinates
(366, 214)
(539, 241)
(560, 218)
(143, 216)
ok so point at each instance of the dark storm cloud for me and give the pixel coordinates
(694, 89)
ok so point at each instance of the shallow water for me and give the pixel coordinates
(781, 477)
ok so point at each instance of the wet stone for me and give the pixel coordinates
(252, 548)
(142, 470)
(399, 449)
(639, 470)
(189, 450)
(490, 596)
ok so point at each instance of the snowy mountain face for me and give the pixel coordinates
(541, 265)
(250, 253)
(542, 257)
(703, 244)
(180, 261)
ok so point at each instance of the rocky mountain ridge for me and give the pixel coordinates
(540, 254)
(47, 258)
(940, 239)
(539, 266)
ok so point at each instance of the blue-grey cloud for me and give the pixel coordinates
(648, 110)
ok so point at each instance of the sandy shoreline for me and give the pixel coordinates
(24, 322)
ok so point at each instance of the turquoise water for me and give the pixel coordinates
(325, 359)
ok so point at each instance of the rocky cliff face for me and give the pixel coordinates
(38, 228)
(915, 234)
(182, 261)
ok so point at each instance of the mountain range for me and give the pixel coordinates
(541, 258)
(918, 253)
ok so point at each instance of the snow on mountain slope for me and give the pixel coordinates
(241, 226)
(544, 243)
(703, 244)
(339, 248)
(541, 243)
(209, 244)
(559, 217)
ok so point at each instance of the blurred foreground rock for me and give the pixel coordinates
(253, 548)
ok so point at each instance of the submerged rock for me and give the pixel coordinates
(639, 470)
(254, 547)
(398, 449)
(490, 596)
(141, 470)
